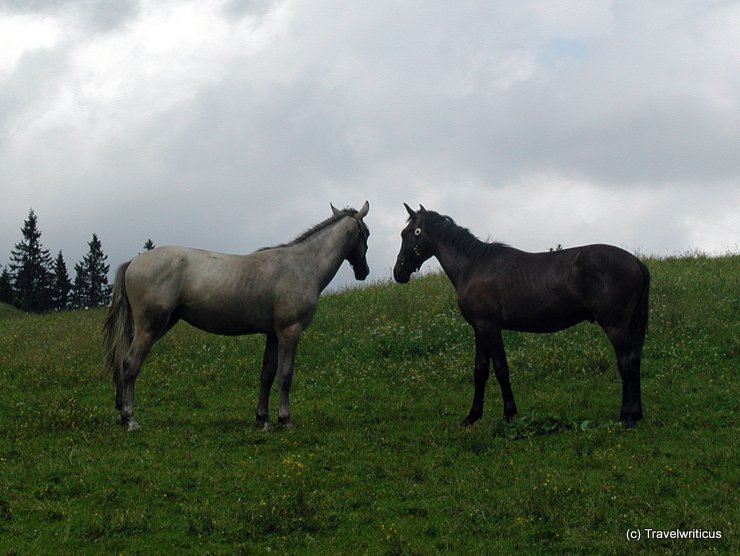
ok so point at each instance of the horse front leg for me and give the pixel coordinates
(267, 377)
(287, 346)
(501, 368)
(480, 377)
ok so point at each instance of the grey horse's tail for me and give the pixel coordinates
(118, 328)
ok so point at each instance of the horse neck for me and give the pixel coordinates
(327, 249)
(454, 263)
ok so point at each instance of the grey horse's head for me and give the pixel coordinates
(356, 257)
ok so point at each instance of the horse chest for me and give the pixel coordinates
(477, 303)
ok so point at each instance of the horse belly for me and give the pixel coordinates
(546, 321)
(230, 317)
(524, 305)
(220, 322)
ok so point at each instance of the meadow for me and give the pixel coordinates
(376, 462)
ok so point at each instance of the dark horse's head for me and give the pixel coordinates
(356, 257)
(415, 246)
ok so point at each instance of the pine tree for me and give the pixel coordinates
(80, 288)
(6, 291)
(30, 270)
(149, 245)
(61, 286)
(91, 287)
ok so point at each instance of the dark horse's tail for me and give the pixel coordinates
(639, 322)
(118, 327)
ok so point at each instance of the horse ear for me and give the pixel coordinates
(364, 210)
(421, 208)
(334, 209)
(409, 210)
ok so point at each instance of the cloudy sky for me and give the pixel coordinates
(232, 124)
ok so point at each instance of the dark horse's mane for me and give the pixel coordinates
(315, 229)
(462, 239)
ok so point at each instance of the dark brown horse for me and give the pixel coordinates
(502, 288)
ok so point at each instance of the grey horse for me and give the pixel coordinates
(273, 291)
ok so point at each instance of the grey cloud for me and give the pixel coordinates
(241, 8)
(98, 15)
(490, 112)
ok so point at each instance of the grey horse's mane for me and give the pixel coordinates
(315, 229)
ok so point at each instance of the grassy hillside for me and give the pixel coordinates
(7, 311)
(376, 462)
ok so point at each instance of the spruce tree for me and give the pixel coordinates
(80, 288)
(91, 287)
(61, 286)
(30, 270)
(6, 290)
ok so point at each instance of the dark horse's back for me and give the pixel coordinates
(547, 292)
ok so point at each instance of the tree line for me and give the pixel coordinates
(33, 281)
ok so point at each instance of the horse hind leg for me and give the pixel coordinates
(118, 383)
(132, 363)
(628, 362)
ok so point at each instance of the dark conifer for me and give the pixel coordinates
(91, 287)
(61, 285)
(6, 290)
(30, 270)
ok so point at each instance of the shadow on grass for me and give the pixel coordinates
(528, 426)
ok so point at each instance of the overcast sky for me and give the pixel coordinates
(231, 125)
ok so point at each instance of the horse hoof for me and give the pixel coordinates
(466, 422)
(629, 419)
(267, 427)
(285, 422)
(133, 426)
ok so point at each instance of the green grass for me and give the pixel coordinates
(376, 462)
(7, 311)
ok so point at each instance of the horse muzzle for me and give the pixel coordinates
(400, 274)
(361, 271)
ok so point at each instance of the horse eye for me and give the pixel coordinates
(417, 232)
